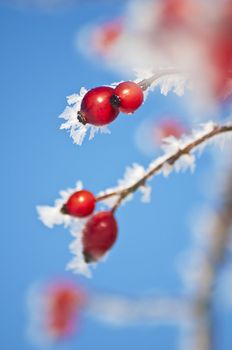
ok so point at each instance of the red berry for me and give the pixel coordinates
(130, 96)
(168, 127)
(99, 235)
(64, 302)
(96, 107)
(80, 204)
(106, 35)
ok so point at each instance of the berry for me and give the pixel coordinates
(64, 302)
(130, 96)
(106, 36)
(96, 108)
(99, 235)
(168, 127)
(80, 204)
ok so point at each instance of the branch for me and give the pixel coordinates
(169, 159)
(215, 257)
(125, 311)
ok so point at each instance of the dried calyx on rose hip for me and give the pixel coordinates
(101, 105)
(80, 204)
(99, 235)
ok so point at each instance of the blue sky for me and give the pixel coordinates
(39, 67)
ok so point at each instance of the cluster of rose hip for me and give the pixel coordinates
(100, 106)
(100, 231)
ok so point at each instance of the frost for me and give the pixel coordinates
(186, 161)
(170, 145)
(51, 216)
(78, 264)
(146, 193)
(173, 82)
(132, 174)
(77, 130)
(95, 129)
(165, 79)
(167, 169)
(222, 139)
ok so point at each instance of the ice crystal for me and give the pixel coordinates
(78, 264)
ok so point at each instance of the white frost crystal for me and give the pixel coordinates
(78, 264)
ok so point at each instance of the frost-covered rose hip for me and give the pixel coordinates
(99, 235)
(96, 108)
(128, 96)
(80, 204)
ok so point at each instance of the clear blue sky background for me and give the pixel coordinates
(39, 66)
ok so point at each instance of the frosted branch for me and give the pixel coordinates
(122, 311)
(178, 155)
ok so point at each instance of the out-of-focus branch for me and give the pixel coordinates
(204, 337)
(122, 311)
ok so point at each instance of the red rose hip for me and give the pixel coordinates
(96, 108)
(64, 303)
(80, 204)
(99, 235)
(130, 96)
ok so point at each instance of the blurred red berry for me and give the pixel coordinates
(130, 96)
(168, 127)
(96, 107)
(220, 55)
(64, 302)
(178, 12)
(106, 36)
(80, 204)
(100, 233)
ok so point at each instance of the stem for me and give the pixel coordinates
(170, 159)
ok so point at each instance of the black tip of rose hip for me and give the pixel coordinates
(63, 210)
(115, 101)
(81, 119)
(88, 257)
